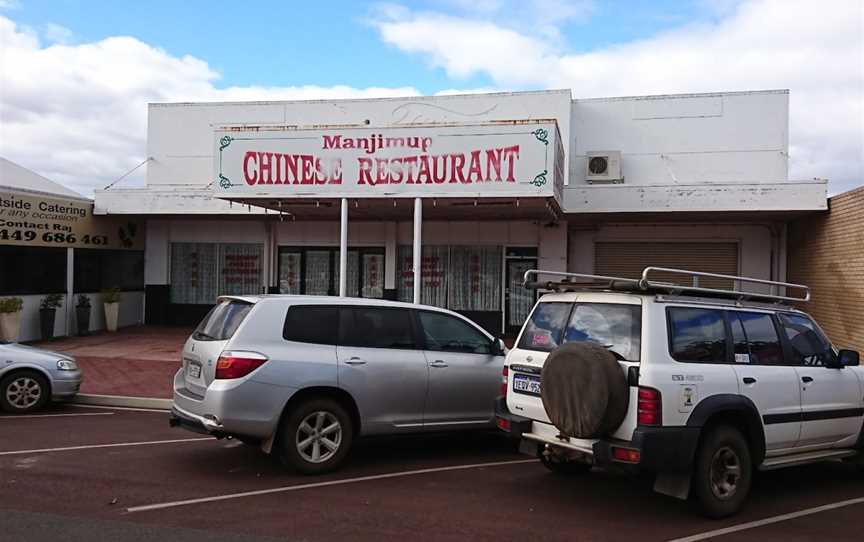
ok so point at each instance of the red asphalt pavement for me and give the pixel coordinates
(136, 361)
(519, 501)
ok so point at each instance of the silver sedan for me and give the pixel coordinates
(30, 377)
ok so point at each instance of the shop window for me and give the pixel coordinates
(97, 270)
(32, 270)
(201, 272)
(315, 271)
(433, 274)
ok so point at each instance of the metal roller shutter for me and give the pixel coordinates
(628, 259)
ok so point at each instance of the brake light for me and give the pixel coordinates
(650, 407)
(505, 372)
(502, 424)
(238, 364)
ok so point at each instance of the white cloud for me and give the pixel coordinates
(77, 114)
(814, 49)
(56, 33)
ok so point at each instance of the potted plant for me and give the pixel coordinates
(47, 312)
(10, 318)
(111, 302)
(82, 312)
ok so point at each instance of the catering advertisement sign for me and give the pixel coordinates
(32, 220)
(489, 160)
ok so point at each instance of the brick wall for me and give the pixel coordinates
(826, 252)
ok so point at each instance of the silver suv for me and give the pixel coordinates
(305, 375)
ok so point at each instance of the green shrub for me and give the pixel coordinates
(51, 301)
(11, 304)
(111, 295)
(83, 301)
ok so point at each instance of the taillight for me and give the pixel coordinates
(505, 372)
(627, 455)
(650, 407)
(238, 364)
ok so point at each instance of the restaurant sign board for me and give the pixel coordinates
(33, 220)
(488, 160)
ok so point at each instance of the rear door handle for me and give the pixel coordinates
(355, 361)
(438, 363)
(807, 379)
(749, 380)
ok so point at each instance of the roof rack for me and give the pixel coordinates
(646, 284)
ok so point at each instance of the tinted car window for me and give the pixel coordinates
(808, 345)
(544, 327)
(311, 324)
(375, 327)
(222, 321)
(444, 333)
(762, 338)
(739, 339)
(697, 335)
(617, 327)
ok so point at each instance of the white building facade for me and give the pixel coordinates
(359, 196)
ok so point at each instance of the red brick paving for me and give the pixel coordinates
(136, 361)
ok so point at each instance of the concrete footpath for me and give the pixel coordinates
(135, 362)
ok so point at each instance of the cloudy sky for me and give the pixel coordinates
(75, 76)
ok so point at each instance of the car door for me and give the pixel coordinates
(464, 371)
(831, 397)
(766, 379)
(381, 366)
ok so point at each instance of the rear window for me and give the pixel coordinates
(222, 320)
(616, 327)
(311, 324)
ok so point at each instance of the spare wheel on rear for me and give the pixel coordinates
(584, 390)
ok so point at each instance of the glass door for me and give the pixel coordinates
(519, 300)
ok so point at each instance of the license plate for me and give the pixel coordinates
(194, 370)
(526, 384)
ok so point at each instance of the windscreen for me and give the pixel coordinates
(222, 320)
(616, 327)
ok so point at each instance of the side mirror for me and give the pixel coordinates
(498, 347)
(848, 358)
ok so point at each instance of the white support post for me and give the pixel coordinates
(418, 230)
(343, 250)
(70, 290)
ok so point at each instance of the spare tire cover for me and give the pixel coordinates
(584, 390)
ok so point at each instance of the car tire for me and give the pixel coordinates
(567, 468)
(723, 472)
(316, 436)
(23, 392)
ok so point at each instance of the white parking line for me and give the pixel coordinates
(54, 415)
(93, 446)
(134, 409)
(768, 521)
(159, 506)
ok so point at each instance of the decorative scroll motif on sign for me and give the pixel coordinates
(224, 182)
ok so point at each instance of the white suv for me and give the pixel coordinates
(709, 384)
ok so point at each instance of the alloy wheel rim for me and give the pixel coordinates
(23, 392)
(725, 473)
(319, 437)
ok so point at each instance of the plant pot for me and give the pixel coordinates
(46, 323)
(83, 320)
(111, 313)
(10, 324)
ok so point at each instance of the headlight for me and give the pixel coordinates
(67, 365)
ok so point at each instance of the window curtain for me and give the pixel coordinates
(289, 272)
(193, 273)
(474, 278)
(352, 284)
(373, 275)
(239, 269)
(317, 272)
(433, 273)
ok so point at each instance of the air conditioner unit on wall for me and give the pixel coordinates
(603, 167)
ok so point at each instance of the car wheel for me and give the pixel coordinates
(723, 472)
(563, 466)
(316, 436)
(23, 392)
